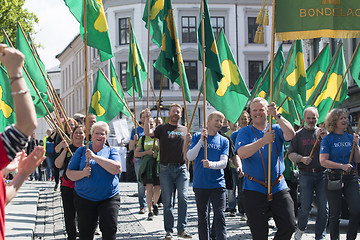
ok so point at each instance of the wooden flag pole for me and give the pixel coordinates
(86, 80)
(148, 56)
(117, 94)
(193, 114)
(203, 71)
(158, 106)
(353, 146)
(269, 192)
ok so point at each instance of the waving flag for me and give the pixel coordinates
(116, 84)
(156, 20)
(7, 114)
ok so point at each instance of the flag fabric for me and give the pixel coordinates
(294, 83)
(212, 60)
(167, 62)
(316, 70)
(156, 20)
(232, 94)
(105, 104)
(7, 114)
(355, 68)
(136, 68)
(329, 89)
(308, 19)
(116, 84)
(263, 87)
(96, 24)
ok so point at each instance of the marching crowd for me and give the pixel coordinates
(234, 162)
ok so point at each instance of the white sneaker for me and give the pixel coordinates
(298, 234)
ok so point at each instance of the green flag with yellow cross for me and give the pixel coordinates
(156, 19)
(7, 114)
(136, 68)
(96, 25)
(168, 61)
(328, 90)
(105, 104)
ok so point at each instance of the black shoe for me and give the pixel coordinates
(56, 187)
(232, 214)
(156, 209)
(150, 216)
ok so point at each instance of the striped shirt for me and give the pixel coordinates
(14, 141)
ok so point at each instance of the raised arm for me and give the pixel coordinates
(286, 127)
(59, 161)
(251, 148)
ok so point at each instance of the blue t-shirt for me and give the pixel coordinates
(204, 177)
(338, 146)
(101, 184)
(140, 132)
(234, 136)
(253, 165)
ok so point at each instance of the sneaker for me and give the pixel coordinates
(156, 209)
(184, 234)
(232, 214)
(168, 235)
(56, 187)
(150, 216)
(298, 234)
(142, 211)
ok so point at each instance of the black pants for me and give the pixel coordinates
(258, 209)
(89, 211)
(67, 195)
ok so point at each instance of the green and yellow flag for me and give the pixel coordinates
(136, 68)
(105, 104)
(116, 84)
(7, 114)
(97, 28)
(330, 87)
(212, 59)
(156, 20)
(167, 62)
(317, 18)
(232, 94)
(355, 68)
(294, 84)
(316, 71)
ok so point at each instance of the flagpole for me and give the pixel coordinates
(158, 106)
(179, 60)
(287, 65)
(86, 79)
(193, 114)
(269, 192)
(148, 56)
(117, 94)
(133, 87)
(203, 71)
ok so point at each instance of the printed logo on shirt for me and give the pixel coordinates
(213, 146)
(342, 144)
(308, 142)
(172, 133)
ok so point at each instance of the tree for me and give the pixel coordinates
(13, 11)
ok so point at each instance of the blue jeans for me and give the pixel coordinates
(350, 190)
(141, 187)
(237, 184)
(50, 163)
(217, 198)
(171, 175)
(309, 182)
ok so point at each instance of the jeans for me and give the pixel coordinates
(258, 210)
(50, 163)
(170, 176)
(217, 198)
(309, 182)
(350, 190)
(237, 183)
(141, 187)
(67, 195)
(89, 212)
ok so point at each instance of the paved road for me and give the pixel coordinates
(36, 213)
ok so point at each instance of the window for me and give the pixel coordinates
(252, 26)
(217, 24)
(188, 29)
(255, 69)
(124, 31)
(191, 73)
(157, 80)
(123, 75)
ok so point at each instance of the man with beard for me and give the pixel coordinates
(173, 168)
(312, 174)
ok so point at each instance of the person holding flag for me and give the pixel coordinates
(252, 147)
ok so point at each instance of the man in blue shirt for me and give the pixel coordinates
(252, 146)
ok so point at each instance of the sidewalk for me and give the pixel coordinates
(36, 213)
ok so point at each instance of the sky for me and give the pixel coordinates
(55, 30)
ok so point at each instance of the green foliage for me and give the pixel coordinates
(13, 11)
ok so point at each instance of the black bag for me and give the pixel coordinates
(130, 167)
(334, 181)
(228, 177)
